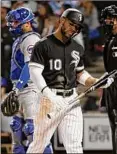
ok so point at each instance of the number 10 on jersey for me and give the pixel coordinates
(55, 64)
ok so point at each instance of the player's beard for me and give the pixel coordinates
(66, 35)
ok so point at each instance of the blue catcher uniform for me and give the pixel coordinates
(22, 123)
(28, 95)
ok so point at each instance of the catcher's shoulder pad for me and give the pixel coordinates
(10, 105)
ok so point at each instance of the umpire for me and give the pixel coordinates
(109, 98)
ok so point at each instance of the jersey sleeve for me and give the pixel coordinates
(27, 46)
(80, 66)
(38, 56)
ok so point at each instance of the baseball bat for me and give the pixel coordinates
(102, 80)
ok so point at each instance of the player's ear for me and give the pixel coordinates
(62, 20)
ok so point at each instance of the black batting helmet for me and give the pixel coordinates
(74, 15)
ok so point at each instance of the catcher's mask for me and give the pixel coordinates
(16, 18)
(108, 13)
(74, 16)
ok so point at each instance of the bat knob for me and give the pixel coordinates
(48, 116)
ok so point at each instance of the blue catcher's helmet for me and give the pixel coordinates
(16, 18)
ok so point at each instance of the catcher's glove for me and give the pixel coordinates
(10, 104)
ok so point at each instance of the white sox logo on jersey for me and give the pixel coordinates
(76, 58)
(80, 17)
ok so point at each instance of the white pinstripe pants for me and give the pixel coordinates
(70, 127)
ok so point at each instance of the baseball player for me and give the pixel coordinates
(109, 98)
(56, 66)
(20, 23)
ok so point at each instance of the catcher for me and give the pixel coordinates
(21, 100)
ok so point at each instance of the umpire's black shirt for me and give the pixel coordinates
(109, 97)
(61, 61)
(110, 54)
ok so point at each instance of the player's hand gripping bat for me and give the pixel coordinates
(102, 81)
